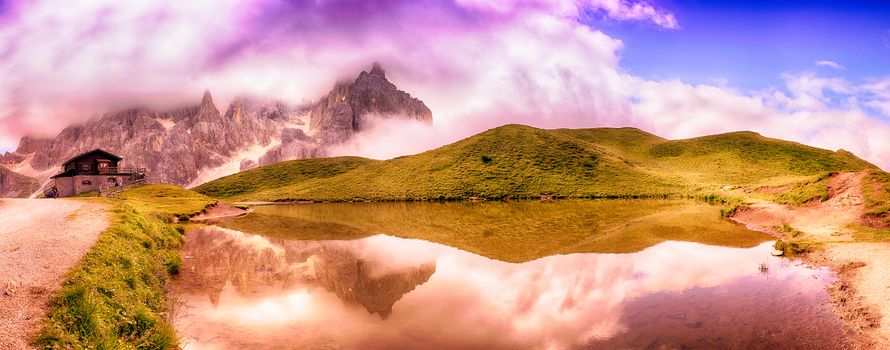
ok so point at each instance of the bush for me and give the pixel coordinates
(729, 212)
(486, 159)
(183, 218)
(180, 229)
(790, 248)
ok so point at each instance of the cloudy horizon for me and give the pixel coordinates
(664, 67)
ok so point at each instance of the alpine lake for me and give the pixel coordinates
(567, 274)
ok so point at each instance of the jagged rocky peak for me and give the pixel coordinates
(354, 106)
(30, 144)
(207, 100)
(378, 71)
(207, 111)
(182, 144)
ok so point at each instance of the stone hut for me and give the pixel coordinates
(92, 171)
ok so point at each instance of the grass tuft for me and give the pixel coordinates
(790, 248)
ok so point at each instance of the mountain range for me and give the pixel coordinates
(190, 145)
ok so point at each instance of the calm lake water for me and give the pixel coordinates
(297, 286)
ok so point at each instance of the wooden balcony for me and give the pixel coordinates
(121, 170)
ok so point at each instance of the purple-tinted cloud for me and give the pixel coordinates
(476, 64)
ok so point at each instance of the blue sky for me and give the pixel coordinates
(752, 43)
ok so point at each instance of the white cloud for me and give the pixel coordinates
(829, 64)
(625, 10)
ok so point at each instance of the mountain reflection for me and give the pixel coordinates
(383, 292)
(217, 256)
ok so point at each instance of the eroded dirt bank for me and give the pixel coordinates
(861, 296)
(40, 239)
(824, 221)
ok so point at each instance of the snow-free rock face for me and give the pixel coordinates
(15, 185)
(173, 145)
(353, 106)
(295, 144)
(181, 145)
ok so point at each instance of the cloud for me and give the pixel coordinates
(829, 64)
(877, 93)
(476, 64)
(62, 64)
(624, 10)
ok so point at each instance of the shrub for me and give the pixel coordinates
(486, 159)
(790, 248)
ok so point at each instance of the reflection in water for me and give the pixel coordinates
(517, 231)
(385, 292)
(251, 264)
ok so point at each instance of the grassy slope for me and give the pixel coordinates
(748, 158)
(876, 189)
(813, 188)
(114, 299)
(516, 161)
(166, 200)
(281, 174)
(509, 231)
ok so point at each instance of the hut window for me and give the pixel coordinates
(84, 167)
(86, 182)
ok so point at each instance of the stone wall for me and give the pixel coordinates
(69, 186)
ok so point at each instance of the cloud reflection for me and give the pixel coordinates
(416, 294)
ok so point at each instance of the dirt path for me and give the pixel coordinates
(40, 239)
(860, 296)
(826, 221)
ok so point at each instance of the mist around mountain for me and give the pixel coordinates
(190, 145)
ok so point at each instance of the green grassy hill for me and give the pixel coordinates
(515, 161)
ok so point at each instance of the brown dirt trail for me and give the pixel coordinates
(825, 221)
(40, 239)
(860, 296)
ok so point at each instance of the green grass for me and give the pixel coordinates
(282, 174)
(749, 158)
(813, 189)
(515, 161)
(792, 247)
(514, 231)
(166, 200)
(876, 190)
(86, 194)
(114, 299)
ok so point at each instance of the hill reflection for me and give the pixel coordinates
(248, 291)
